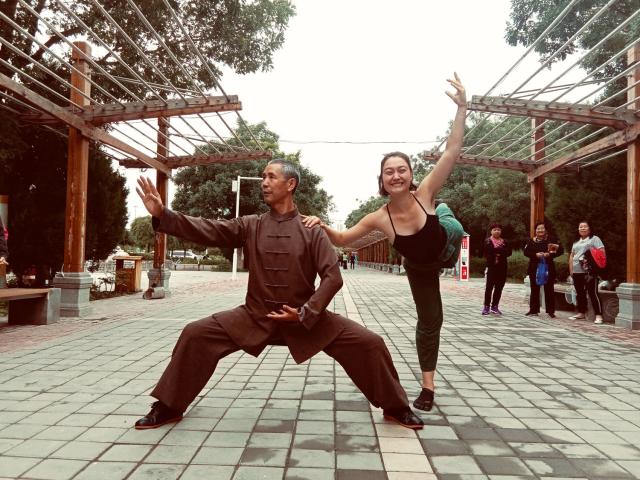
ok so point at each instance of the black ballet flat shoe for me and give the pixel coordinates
(159, 415)
(425, 400)
(404, 417)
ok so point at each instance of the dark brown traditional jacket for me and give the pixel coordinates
(284, 257)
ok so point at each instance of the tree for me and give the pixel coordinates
(240, 34)
(594, 193)
(205, 191)
(365, 208)
(529, 18)
(573, 198)
(142, 232)
(33, 174)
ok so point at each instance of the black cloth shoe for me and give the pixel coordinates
(530, 313)
(425, 400)
(159, 415)
(551, 314)
(405, 417)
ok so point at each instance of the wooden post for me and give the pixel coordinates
(633, 179)
(162, 183)
(537, 185)
(629, 292)
(77, 169)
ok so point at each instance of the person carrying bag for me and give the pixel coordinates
(541, 250)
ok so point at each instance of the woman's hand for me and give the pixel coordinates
(460, 95)
(311, 221)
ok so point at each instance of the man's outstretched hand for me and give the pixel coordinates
(150, 196)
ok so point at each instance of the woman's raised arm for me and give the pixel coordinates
(432, 183)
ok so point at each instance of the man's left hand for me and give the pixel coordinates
(286, 314)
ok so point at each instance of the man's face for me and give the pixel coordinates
(274, 186)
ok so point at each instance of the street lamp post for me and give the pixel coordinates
(235, 187)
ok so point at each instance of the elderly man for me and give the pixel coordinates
(282, 305)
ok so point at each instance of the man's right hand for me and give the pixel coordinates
(150, 196)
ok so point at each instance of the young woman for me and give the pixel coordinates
(585, 284)
(542, 248)
(426, 237)
(496, 251)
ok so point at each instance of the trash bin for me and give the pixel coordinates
(128, 273)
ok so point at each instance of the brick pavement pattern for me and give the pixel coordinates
(517, 397)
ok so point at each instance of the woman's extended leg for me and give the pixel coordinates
(425, 288)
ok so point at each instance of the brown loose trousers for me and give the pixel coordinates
(283, 257)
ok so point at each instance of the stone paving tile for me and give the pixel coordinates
(150, 471)
(517, 397)
(110, 470)
(55, 469)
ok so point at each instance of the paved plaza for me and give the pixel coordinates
(517, 397)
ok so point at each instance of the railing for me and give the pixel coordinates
(383, 267)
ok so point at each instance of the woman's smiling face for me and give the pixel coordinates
(396, 175)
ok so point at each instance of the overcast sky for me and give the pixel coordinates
(372, 71)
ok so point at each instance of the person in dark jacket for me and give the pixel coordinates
(496, 250)
(542, 248)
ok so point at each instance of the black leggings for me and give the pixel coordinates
(496, 278)
(424, 281)
(549, 298)
(584, 287)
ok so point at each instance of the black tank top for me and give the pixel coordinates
(423, 246)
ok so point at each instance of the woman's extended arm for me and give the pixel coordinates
(432, 183)
(345, 237)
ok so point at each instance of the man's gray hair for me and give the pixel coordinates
(289, 170)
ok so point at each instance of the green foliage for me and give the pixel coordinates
(517, 265)
(142, 233)
(218, 263)
(240, 34)
(596, 195)
(205, 191)
(477, 266)
(33, 175)
(365, 208)
(529, 18)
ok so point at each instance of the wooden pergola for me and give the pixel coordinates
(623, 124)
(120, 128)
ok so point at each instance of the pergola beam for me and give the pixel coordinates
(617, 139)
(580, 113)
(494, 162)
(73, 120)
(193, 160)
(122, 112)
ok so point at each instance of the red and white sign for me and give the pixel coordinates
(463, 260)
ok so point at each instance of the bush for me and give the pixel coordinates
(477, 266)
(186, 261)
(217, 262)
(517, 265)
